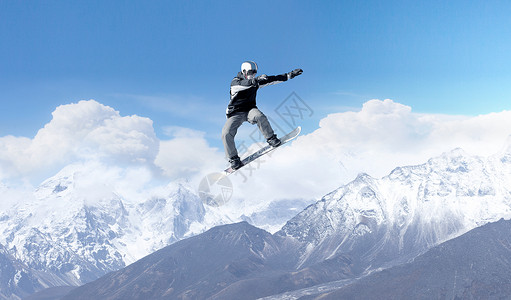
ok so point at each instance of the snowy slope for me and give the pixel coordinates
(368, 224)
(91, 219)
(392, 219)
(80, 229)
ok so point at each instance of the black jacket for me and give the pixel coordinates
(244, 91)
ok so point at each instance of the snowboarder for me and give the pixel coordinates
(242, 108)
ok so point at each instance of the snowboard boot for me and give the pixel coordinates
(274, 141)
(235, 162)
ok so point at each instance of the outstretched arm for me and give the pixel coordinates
(265, 80)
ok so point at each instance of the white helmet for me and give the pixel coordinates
(249, 69)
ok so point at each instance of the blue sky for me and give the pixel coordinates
(172, 61)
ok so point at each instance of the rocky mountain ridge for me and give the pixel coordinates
(407, 212)
(75, 230)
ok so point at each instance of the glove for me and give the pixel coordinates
(295, 73)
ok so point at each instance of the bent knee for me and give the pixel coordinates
(255, 116)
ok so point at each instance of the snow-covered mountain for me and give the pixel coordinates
(75, 230)
(15, 276)
(90, 219)
(239, 261)
(76, 226)
(390, 220)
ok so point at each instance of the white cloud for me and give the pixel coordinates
(90, 131)
(86, 130)
(188, 154)
(374, 140)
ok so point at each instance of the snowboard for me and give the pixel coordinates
(265, 150)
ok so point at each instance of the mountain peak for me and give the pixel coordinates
(456, 152)
(406, 211)
(195, 268)
(239, 233)
(363, 178)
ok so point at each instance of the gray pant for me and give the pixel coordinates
(254, 116)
